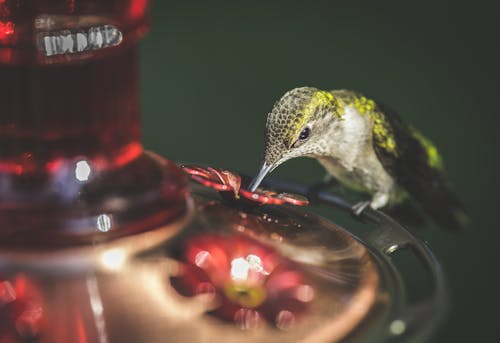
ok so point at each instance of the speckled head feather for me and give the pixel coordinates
(289, 115)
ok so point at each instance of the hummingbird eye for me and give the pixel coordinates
(304, 134)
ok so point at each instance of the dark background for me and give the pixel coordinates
(211, 71)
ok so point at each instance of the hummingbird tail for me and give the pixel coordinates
(446, 210)
(450, 218)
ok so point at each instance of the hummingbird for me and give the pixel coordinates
(364, 145)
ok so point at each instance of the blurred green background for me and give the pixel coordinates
(211, 71)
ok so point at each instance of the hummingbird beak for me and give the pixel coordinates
(264, 170)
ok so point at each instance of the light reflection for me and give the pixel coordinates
(28, 323)
(71, 42)
(397, 327)
(250, 282)
(255, 263)
(6, 30)
(21, 311)
(113, 259)
(239, 269)
(305, 293)
(247, 319)
(103, 223)
(97, 308)
(201, 258)
(285, 320)
(7, 293)
(82, 170)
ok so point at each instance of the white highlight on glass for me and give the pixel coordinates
(201, 258)
(247, 319)
(67, 42)
(97, 308)
(76, 41)
(82, 170)
(81, 42)
(239, 269)
(285, 320)
(113, 259)
(103, 223)
(305, 293)
(255, 263)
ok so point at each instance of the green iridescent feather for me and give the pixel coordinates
(417, 166)
(411, 159)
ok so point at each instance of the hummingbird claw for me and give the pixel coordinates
(358, 208)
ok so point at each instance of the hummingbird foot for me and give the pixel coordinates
(358, 208)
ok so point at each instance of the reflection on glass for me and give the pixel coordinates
(247, 319)
(239, 269)
(28, 322)
(113, 259)
(103, 223)
(71, 42)
(82, 170)
(252, 283)
(6, 30)
(285, 320)
(21, 312)
(97, 308)
(7, 293)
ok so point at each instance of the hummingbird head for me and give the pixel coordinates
(296, 127)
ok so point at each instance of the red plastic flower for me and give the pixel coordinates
(226, 181)
(250, 283)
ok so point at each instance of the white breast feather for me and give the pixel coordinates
(356, 132)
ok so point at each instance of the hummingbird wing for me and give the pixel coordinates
(417, 167)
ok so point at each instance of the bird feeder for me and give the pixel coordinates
(102, 241)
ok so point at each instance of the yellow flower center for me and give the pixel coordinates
(248, 296)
